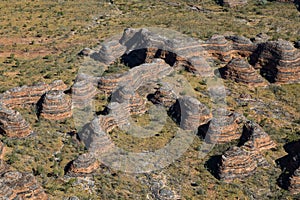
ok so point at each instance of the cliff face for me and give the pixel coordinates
(13, 124)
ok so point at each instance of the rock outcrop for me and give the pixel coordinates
(190, 113)
(83, 92)
(56, 106)
(84, 164)
(12, 124)
(164, 95)
(236, 164)
(241, 71)
(256, 138)
(278, 61)
(2, 150)
(17, 185)
(234, 3)
(225, 48)
(223, 128)
(29, 94)
(294, 186)
(3, 165)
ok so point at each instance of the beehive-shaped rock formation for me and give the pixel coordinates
(17, 185)
(190, 113)
(256, 138)
(82, 93)
(222, 128)
(225, 48)
(84, 164)
(12, 124)
(29, 94)
(279, 61)
(242, 72)
(56, 106)
(236, 164)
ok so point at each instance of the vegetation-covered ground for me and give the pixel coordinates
(39, 41)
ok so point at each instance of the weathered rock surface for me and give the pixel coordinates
(236, 164)
(2, 150)
(17, 185)
(222, 128)
(3, 166)
(82, 93)
(234, 3)
(84, 164)
(294, 187)
(12, 124)
(109, 52)
(56, 106)
(225, 48)
(256, 138)
(242, 72)
(190, 113)
(164, 95)
(278, 61)
(29, 94)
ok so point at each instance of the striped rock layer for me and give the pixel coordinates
(56, 106)
(17, 185)
(12, 124)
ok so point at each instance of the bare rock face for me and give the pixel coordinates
(234, 3)
(29, 94)
(222, 128)
(164, 96)
(242, 72)
(278, 61)
(236, 164)
(82, 93)
(2, 150)
(17, 185)
(256, 138)
(190, 113)
(225, 48)
(294, 187)
(3, 165)
(13, 124)
(84, 164)
(109, 52)
(56, 106)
